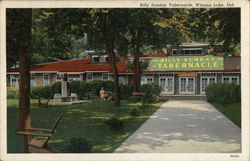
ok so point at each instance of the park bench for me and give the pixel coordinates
(39, 146)
(109, 95)
(138, 95)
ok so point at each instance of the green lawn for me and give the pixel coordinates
(231, 111)
(82, 120)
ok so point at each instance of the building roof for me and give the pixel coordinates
(75, 66)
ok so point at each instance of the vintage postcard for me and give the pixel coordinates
(124, 80)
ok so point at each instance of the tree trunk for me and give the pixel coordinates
(137, 61)
(109, 38)
(112, 56)
(24, 51)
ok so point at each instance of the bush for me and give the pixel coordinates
(79, 145)
(82, 88)
(223, 93)
(126, 91)
(12, 93)
(45, 91)
(115, 123)
(135, 111)
(152, 92)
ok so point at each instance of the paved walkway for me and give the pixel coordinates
(185, 126)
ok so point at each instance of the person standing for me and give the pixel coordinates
(102, 94)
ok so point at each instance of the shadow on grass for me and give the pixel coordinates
(82, 120)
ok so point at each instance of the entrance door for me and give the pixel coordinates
(205, 81)
(167, 85)
(187, 85)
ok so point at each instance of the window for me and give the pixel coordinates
(105, 76)
(106, 59)
(166, 75)
(208, 74)
(95, 59)
(147, 78)
(46, 79)
(74, 77)
(231, 78)
(121, 81)
(89, 76)
(32, 80)
(14, 80)
(189, 51)
(58, 77)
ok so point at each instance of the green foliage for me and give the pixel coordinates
(45, 92)
(79, 145)
(152, 91)
(82, 88)
(135, 111)
(12, 92)
(115, 122)
(217, 26)
(223, 93)
(126, 91)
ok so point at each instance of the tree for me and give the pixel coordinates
(106, 32)
(20, 20)
(220, 26)
(57, 32)
(151, 27)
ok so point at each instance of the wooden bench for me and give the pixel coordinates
(138, 95)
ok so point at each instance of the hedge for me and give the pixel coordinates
(45, 91)
(12, 92)
(83, 88)
(223, 93)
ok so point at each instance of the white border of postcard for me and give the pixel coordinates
(245, 69)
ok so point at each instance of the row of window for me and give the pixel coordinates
(14, 79)
(195, 51)
(145, 78)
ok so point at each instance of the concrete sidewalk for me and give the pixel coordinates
(185, 126)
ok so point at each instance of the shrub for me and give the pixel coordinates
(223, 93)
(45, 91)
(135, 111)
(12, 92)
(126, 91)
(82, 88)
(96, 86)
(115, 123)
(56, 87)
(79, 145)
(152, 92)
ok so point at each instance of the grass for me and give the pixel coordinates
(82, 120)
(231, 111)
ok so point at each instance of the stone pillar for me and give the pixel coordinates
(64, 89)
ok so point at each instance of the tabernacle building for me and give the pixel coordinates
(186, 71)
